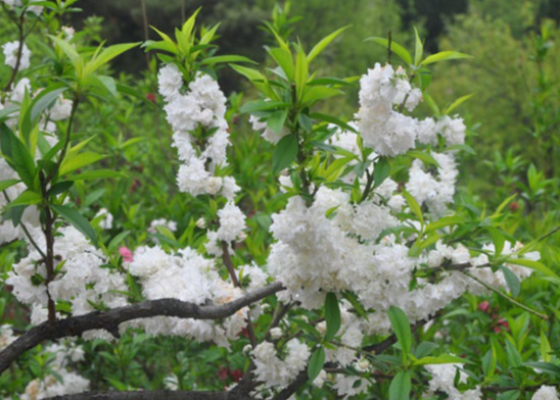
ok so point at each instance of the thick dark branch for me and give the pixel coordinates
(110, 320)
(154, 395)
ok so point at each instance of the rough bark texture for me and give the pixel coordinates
(110, 320)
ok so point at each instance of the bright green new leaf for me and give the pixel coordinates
(419, 50)
(395, 48)
(443, 56)
(107, 55)
(414, 206)
(301, 73)
(319, 47)
(26, 198)
(401, 326)
(457, 103)
(8, 183)
(79, 161)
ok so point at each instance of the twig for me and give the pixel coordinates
(518, 304)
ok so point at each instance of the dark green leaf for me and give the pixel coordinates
(285, 153)
(401, 326)
(332, 316)
(316, 363)
(400, 386)
(76, 219)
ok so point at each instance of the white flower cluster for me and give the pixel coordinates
(188, 277)
(546, 393)
(30, 216)
(317, 253)
(66, 382)
(435, 192)
(443, 377)
(37, 10)
(273, 371)
(80, 280)
(388, 131)
(201, 107)
(11, 55)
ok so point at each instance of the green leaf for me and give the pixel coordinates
(77, 220)
(443, 56)
(400, 386)
(226, 59)
(261, 105)
(355, 301)
(316, 93)
(426, 158)
(457, 103)
(8, 183)
(419, 50)
(97, 174)
(79, 161)
(513, 356)
(319, 47)
(285, 153)
(44, 100)
(381, 171)
(512, 281)
(546, 350)
(333, 120)
(17, 156)
(114, 243)
(395, 48)
(442, 359)
(285, 60)
(536, 265)
(108, 54)
(301, 73)
(332, 316)
(26, 198)
(316, 363)
(414, 206)
(277, 119)
(547, 367)
(401, 326)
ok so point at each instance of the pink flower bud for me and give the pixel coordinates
(126, 254)
(484, 306)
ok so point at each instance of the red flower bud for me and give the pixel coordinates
(513, 207)
(484, 306)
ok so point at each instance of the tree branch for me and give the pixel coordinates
(110, 320)
(155, 395)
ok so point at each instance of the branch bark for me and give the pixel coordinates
(155, 395)
(110, 320)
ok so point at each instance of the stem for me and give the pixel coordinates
(49, 238)
(493, 289)
(75, 103)
(235, 280)
(368, 187)
(26, 231)
(146, 31)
